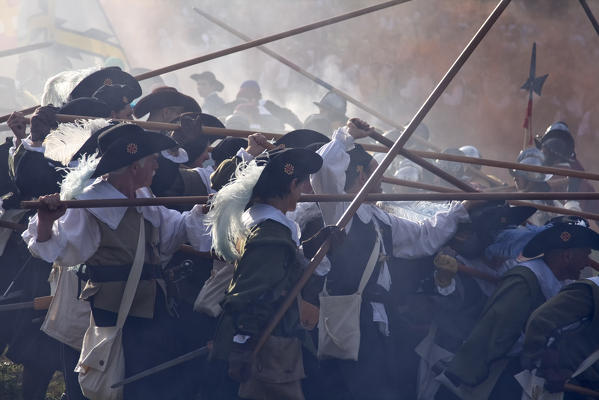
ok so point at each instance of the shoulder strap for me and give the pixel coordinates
(374, 257)
(590, 360)
(134, 275)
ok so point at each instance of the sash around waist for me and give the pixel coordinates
(117, 273)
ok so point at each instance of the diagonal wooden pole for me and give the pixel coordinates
(590, 15)
(254, 43)
(312, 77)
(541, 207)
(416, 156)
(378, 173)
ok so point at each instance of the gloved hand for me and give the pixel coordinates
(312, 244)
(17, 124)
(43, 121)
(446, 267)
(555, 375)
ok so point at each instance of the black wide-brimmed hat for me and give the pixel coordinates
(105, 76)
(227, 148)
(90, 146)
(498, 216)
(302, 138)
(282, 166)
(165, 96)
(124, 144)
(335, 104)
(86, 106)
(116, 96)
(209, 77)
(562, 233)
(212, 121)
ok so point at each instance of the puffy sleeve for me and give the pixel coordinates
(198, 233)
(176, 228)
(417, 239)
(75, 238)
(330, 179)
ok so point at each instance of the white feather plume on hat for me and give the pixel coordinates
(227, 207)
(58, 87)
(65, 141)
(77, 178)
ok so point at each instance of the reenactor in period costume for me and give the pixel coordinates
(484, 365)
(267, 266)
(208, 87)
(106, 242)
(561, 338)
(557, 144)
(371, 372)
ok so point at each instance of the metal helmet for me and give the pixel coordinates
(456, 169)
(535, 157)
(557, 143)
(470, 151)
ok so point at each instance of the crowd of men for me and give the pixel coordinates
(461, 300)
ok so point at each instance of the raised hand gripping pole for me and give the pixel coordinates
(378, 173)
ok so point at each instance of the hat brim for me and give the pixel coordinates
(308, 161)
(546, 240)
(338, 114)
(302, 138)
(218, 84)
(211, 121)
(116, 157)
(86, 106)
(95, 80)
(158, 100)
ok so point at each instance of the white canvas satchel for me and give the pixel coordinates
(339, 319)
(213, 291)
(102, 361)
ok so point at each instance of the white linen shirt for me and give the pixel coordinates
(410, 239)
(76, 235)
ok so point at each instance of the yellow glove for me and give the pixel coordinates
(446, 268)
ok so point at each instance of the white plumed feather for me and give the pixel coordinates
(58, 87)
(227, 207)
(77, 178)
(63, 142)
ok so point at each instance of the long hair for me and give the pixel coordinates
(227, 207)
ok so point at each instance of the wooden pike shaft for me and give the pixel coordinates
(378, 173)
(414, 155)
(590, 15)
(311, 76)
(542, 207)
(478, 161)
(249, 45)
(569, 387)
(331, 198)
(166, 126)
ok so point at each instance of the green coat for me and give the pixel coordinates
(575, 312)
(267, 270)
(501, 323)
